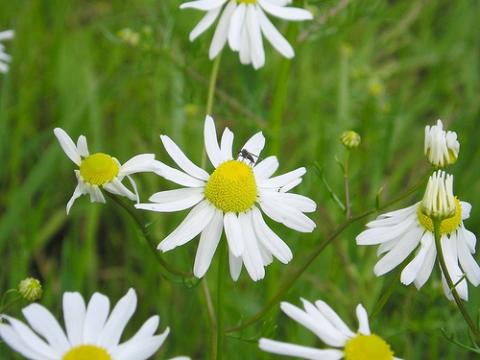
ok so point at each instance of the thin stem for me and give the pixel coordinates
(451, 285)
(222, 261)
(386, 295)
(213, 84)
(295, 274)
(151, 242)
(348, 207)
(211, 317)
(11, 303)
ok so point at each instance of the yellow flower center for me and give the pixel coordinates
(99, 169)
(232, 187)
(367, 347)
(448, 225)
(247, 1)
(87, 352)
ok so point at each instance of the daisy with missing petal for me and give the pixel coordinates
(230, 198)
(322, 320)
(401, 232)
(243, 23)
(441, 147)
(4, 57)
(102, 171)
(92, 332)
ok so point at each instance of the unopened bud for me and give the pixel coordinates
(350, 139)
(30, 289)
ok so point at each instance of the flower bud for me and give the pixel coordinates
(441, 147)
(350, 139)
(30, 289)
(438, 201)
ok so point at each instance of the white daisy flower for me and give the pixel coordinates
(400, 232)
(100, 170)
(230, 198)
(441, 147)
(243, 23)
(4, 57)
(324, 322)
(92, 332)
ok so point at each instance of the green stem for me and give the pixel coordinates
(348, 207)
(213, 84)
(295, 274)
(386, 295)
(8, 305)
(151, 242)
(222, 270)
(438, 236)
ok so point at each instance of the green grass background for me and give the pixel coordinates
(383, 68)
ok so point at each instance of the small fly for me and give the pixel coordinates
(245, 154)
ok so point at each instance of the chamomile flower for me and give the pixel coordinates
(102, 171)
(230, 198)
(324, 322)
(4, 57)
(91, 331)
(441, 147)
(243, 23)
(401, 232)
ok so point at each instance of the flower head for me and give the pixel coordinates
(438, 201)
(102, 171)
(322, 320)
(243, 23)
(401, 232)
(4, 57)
(230, 198)
(441, 147)
(30, 289)
(350, 139)
(91, 332)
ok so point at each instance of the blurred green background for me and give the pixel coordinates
(382, 68)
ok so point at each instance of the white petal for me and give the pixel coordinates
(43, 322)
(226, 144)
(233, 232)
(287, 13)
(183, 161)
(221, 33)
(96, 194)
(208, 244)
(256, 41)
(311, 324)
(449, 246)
(191, 226)
(116, 187)
(303, 352)
(405, 245)
(205, 5)
(97, 312)
(147, 329)
(211, 143)
(185, 199)
(79, 191)
(235, 264)
(255, 145)
(269, 239)
(288, 216)
(362, 316)
(266, 168)
(74, 311)
(291, 185)
(177, 176)
(139, 163)
(378, 235)
(273, 35)
(12, 339)
(334, 319)
(67, 145)
(205, 23)
(117, 321)
(467, 261)
(411, 271)
(427, 266)
(251, 253)
(82, 146)
(282, 180)
(299, 202)
(139, 349)
(466, 209)
(236, 24)
(7, 35)
(245, 56)
(29, 340)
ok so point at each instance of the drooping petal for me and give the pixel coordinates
(205, 23)
(251, 253)
(273, 35)
(209, 240)
(236, 25)
(256, 41)
(205, 5)
(221, 33)
(286, 13)
(233, 233)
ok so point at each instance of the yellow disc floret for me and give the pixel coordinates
(448, 225)
(232, 187)
(247, 1)
(99, 169)
(87, 352)
(367, 347)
